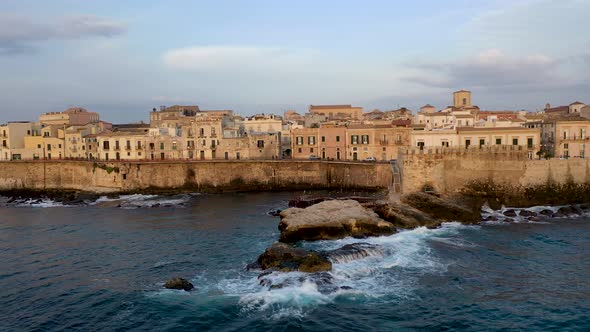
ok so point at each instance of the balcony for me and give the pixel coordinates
(399, 142)
(117, 148)
(576, 138)
(128, 148)
(190, 147)
(383, 142)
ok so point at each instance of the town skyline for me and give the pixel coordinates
(123, 59)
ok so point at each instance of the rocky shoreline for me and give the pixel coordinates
(331, 218)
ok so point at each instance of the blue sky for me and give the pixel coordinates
(121, 58)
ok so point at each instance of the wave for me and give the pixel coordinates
(542, 213)
(133, 201)
(136, 201)
(383, 269)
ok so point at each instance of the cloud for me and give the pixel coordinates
(489, 69)
(17, 33)
(236, 58)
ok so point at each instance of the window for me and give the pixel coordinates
(421, 145)
(445, 144)
(311, 140)
(311, 150)
(565, 134)
(482, 142)
(566, 146)
(105, 145)
(323, 138)
(529, 142)
(299, 140)
(128, 145)
(260, 143)
(202, 132)
(59, 146)
(337, 138)
(498, 141)
(116, 145)
(299, 150)
(212, 131)
(467, 142)
(354, 139)
(174, 145)
(464, 101)
(162, 147)
(515, 141)
(365, 139)
(139, 144)
(4, 143)
(38, 146)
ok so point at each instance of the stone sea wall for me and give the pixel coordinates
(448, 172)
(193, 176)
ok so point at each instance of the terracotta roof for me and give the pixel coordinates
(557, 109)
(401, 123)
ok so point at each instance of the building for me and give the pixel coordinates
(572, 137)
(338, 112)
(12, 136)
(75, 116)
(521, 138)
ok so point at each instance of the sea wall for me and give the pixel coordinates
(448, 171)
(197, 176)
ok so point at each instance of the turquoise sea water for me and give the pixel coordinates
(102, 268)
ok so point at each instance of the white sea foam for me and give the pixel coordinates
(135, 201)
(392, 274)
(40, 203)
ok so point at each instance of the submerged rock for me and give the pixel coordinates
(441, 209)
(179, 283)
(527, 213)
(324, 281)
(510, 213)
(569, 211)
(546, 212)
(330, 220)
(286, 258)
(404, 216)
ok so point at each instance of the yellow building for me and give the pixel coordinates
(572, 137)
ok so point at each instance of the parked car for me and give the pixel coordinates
(314, 157)
(370, 159)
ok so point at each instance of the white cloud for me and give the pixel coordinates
(236, 58)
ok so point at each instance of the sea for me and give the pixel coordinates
(102, 267)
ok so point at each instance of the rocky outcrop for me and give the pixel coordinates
(404, 216)
(286, 258)
(330, 220)
(179, 283)
(441, 209)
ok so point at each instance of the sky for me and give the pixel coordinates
(123, 58)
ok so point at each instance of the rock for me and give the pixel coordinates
(527, 213)
(404, 216)
(352, 252)
(328, 220)
(508, 220)
(490, 218)
(323, 280)
(533, 219)
(546, 212)
(441, 209)
(179, 283)
(286, 258)
(569, 211)
(510, 213)
(306, 202)
(274, 212)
